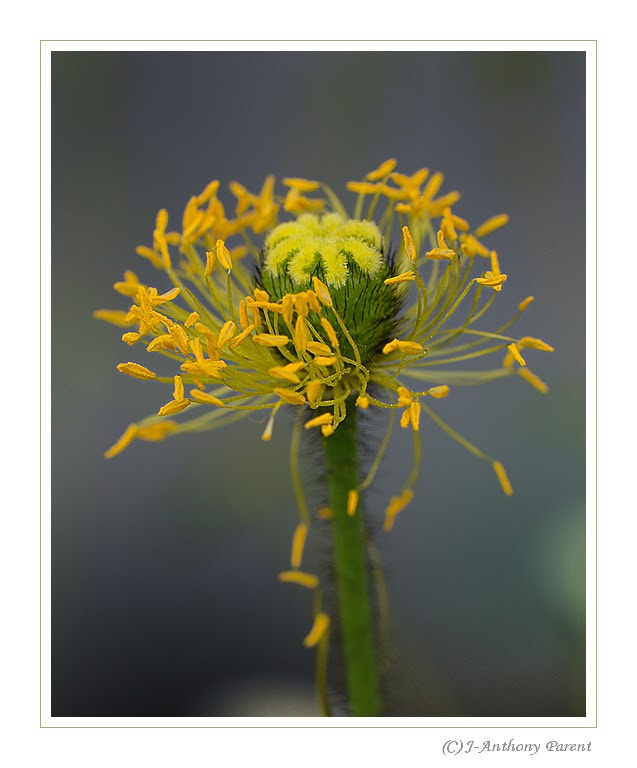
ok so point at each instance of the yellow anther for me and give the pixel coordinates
(287, 307)
(204, 397)
(223, 254)
(244, 320)
(129, 286)
(447, 225)
(318, 348)
(533, 380)
(192, 318)
(312, 391)
(210, 262)
(491, 280)
(384, 169)
(502, 477)
(396, 505)
(293, 398)
(301, 578)
(327, 430)
(178, 391)
(174, 406)
(325, 361)
(440, 254)
(495, 264)
(302, 185)
(270, 340)
(406, 347)
(322, 292)
(471, 246)
(209, 191)
(323, 420)
(331, 333)
(405, 419)
(226, 333)
(115, 316)
(363, 187)
(513, 349)
(404, 278)
(150, 254)
(124, 441)
(301, 335)
(287, 372)
(405, 397)
(352, 502)
(298, 544)
(414, 415)
(131, 337)
(524, 304)
(136, 370)
(531, 343)
(164, 341)
(319, 628)
(161, 222)
(488, 226)
(362, 401)
(325, 513)
(160, 240)
(410, 246)
(439, 392)
(240, 338)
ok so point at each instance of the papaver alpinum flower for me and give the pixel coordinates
(294, 301)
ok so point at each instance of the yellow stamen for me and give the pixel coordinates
(471, 246)
(396, 505)
(325, 513)
(223, 254)
(298, 544)
(226, 333)
(362, 401)
(524, 304)
(488, 226)
(317, 421)
(210, 262)
(410, 247)
(131, 338)
(192, 318)
(513, 349)
(531, 343)
(322, 292)
(414, 415)
(241, 337)
(312, 391)
(319, 628)
(327, 430)
(293, 398)
(491, 280)
(244, 320)
(352, 502)
(495, 264)
(331, 333)
(404, 278)
(363, 187)
(178, 392)
(150, 254)
(301, 578)
(301, 335)
(440, 253)
(114, 316)
(124, 441)
(287, 372)
(438, 392)
(174, 406)
(404, 396)
(406, 347)
(405, 418)
(270, 340)
(533, 380)
(204, 397)
(325, 361)
(384, 169)
(317, 348)
(136, 370)
(502, 477)
(302, 185)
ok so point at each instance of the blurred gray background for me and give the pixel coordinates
(165, 599)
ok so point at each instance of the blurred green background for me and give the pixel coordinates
(165, 599)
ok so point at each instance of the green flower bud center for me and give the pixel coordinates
(347, 255)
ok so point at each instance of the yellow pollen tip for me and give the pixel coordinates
(301, 578)
(396, 505)
(270, 340)
(438, 392)
(513, 349)
(384, 169)
(502, 478)
(124, 441)
(293, 398)
(495, 222)
(524, 304)
(406, 347)
(352, 502)
(533, 380)
(223, 254)
(136, 370)
(204, 397)
(322, 291)
(532, 343)
(298, 544)
(325, 419)
(319, 628)
(404, 278)
(312, 390)
(362, 401)
(325, 513)
(410, 247)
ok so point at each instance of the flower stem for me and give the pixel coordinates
(351, 570)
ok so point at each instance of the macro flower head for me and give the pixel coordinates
(286, 298)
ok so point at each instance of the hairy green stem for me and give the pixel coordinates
(352, 571)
